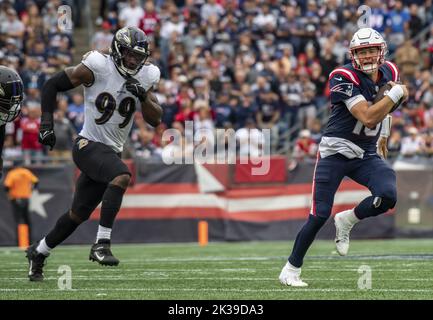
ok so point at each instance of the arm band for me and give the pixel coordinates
(396, 93)
(58, 83)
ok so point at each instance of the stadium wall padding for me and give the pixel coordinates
(166, 204)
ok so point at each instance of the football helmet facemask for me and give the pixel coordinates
(130, 50)
(11, 94)
(366, 38)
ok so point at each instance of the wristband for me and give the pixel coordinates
(396, 93)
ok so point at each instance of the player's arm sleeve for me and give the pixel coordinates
(58, 83)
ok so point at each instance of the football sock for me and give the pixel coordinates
(111, 202)
(304, 239)
(64, 227)
(43, 248)
(103, 234)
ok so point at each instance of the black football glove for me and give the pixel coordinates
(134, 86)
(46, 130)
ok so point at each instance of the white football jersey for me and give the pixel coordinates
(108, 106)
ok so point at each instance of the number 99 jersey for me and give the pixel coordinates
(108, 107)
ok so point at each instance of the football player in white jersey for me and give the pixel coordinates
(115, 84)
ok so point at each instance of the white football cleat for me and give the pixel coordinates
(290, 276)
(344, 222)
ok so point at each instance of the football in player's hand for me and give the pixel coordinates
(382, 92)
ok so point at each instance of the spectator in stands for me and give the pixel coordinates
(150, 21)
(306, 147)
(250, 139)
(65, 136)
(144, 146)
(76, 111)
(397, 25)
(427, 145)
(394, 144)
(29, 128)
(411, 145)
(415, 22)
(13, 27)
(32, 74)
(131, 14)
(102, 39)
(11, 151)
(211, 8)
(307, 109)
(223, 111)
(316, 130)
(246, 109)
(408, 58)
(34, 25)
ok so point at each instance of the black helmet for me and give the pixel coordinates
(11, 94)
(130, 50)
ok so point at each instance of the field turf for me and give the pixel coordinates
(400, 269)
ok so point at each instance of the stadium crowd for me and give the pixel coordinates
(224, 64)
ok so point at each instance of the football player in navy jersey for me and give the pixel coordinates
(356, 129)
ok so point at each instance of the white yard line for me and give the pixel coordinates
(167, 277)
(282, 290)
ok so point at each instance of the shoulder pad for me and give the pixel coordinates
(346, 73)
(95, 61)
(394, 70)
(149, 74)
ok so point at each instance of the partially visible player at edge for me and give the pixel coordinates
(11, 96)
(114, 84)
(349, 147)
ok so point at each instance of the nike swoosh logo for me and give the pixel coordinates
(99, 248)
(339, 79)
(46, 133)
(100, 258)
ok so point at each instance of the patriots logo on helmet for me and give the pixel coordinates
(345, 88)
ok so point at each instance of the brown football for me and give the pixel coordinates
(381, 93)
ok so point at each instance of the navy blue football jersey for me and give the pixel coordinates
(347, 82)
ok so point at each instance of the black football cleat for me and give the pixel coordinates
(101, 253)
(36, 263)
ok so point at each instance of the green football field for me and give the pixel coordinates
(400, 269)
